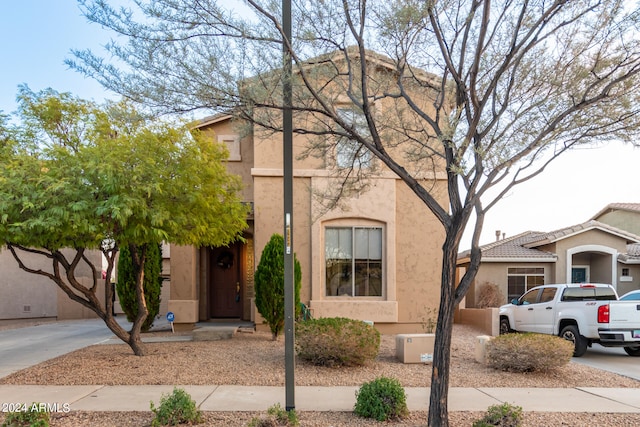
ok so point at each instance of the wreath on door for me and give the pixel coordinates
(225, 260)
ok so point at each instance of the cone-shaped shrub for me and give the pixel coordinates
(269, 284)
(126, 285)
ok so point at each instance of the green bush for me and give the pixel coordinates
(504, 415)
(176, 408)
(276, 416)
(269, 285)
(381, 399)
(336, 341)
(528, 352)
(32, 416)
(126, 286)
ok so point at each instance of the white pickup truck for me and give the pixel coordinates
(581, 313)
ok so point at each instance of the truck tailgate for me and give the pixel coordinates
(624, 315)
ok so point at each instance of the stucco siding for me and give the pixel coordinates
(418, 242)
(26, 295)
(624, 220)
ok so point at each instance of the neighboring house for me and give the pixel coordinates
(25, 295)
(625, 216)
(377, 258)
(593, 251)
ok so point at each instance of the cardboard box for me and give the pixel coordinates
(415, 348)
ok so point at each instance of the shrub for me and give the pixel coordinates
(336, 341)
(276, 416)
(32, 416)
(152, 284)
(504, 415)
(176, 408)
(489, 295)
(269, 284)
(528, 352)
(381, 399)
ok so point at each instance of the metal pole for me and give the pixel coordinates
(287, 128)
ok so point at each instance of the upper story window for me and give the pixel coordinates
(350, 153)
(233, 145)
(353, 261)
(521, 279)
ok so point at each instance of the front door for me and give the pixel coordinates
(578, 275)
(225, 290)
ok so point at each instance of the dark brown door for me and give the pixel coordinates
(225, 286)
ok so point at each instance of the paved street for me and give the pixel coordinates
(23, 347)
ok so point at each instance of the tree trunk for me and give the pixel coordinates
(139, 257)
(438, 400)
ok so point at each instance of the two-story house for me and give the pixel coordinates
(375, 256)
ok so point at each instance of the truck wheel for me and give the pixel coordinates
(505, 328)
(632, 351)
(571, 333)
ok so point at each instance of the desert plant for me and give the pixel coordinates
(276, 416)
(269, 284)
(338, 341)
(28, 416)
(505, 415)
(152, 284)
(429, 320)
(381, 399)
(176, 408)
(528, 352)
(489, 295)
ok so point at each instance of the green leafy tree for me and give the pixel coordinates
(78, 177)
(482, 94)
(269, 284)
(126, 284)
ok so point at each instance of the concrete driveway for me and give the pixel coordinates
(612, 359)
(24, 347)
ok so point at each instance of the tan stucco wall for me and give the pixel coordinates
(624, 220)
(185, 280)
(25, 295)
(631, 282)
(601, 247)
(242, 167)
(496, 273)
(419, 239)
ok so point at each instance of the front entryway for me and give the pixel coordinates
(225, 282)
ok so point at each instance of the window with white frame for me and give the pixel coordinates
(521, 279)
(350, 153)
(353, 261)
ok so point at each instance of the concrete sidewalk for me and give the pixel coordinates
(247, 398)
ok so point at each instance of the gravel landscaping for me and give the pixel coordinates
(254, 359)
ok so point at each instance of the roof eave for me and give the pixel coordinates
(552, 258)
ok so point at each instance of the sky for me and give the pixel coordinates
(38, 35)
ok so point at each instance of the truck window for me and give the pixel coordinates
(530, 297)
(578, 294)
(605, 294)
(586, 294)
(548, 294)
